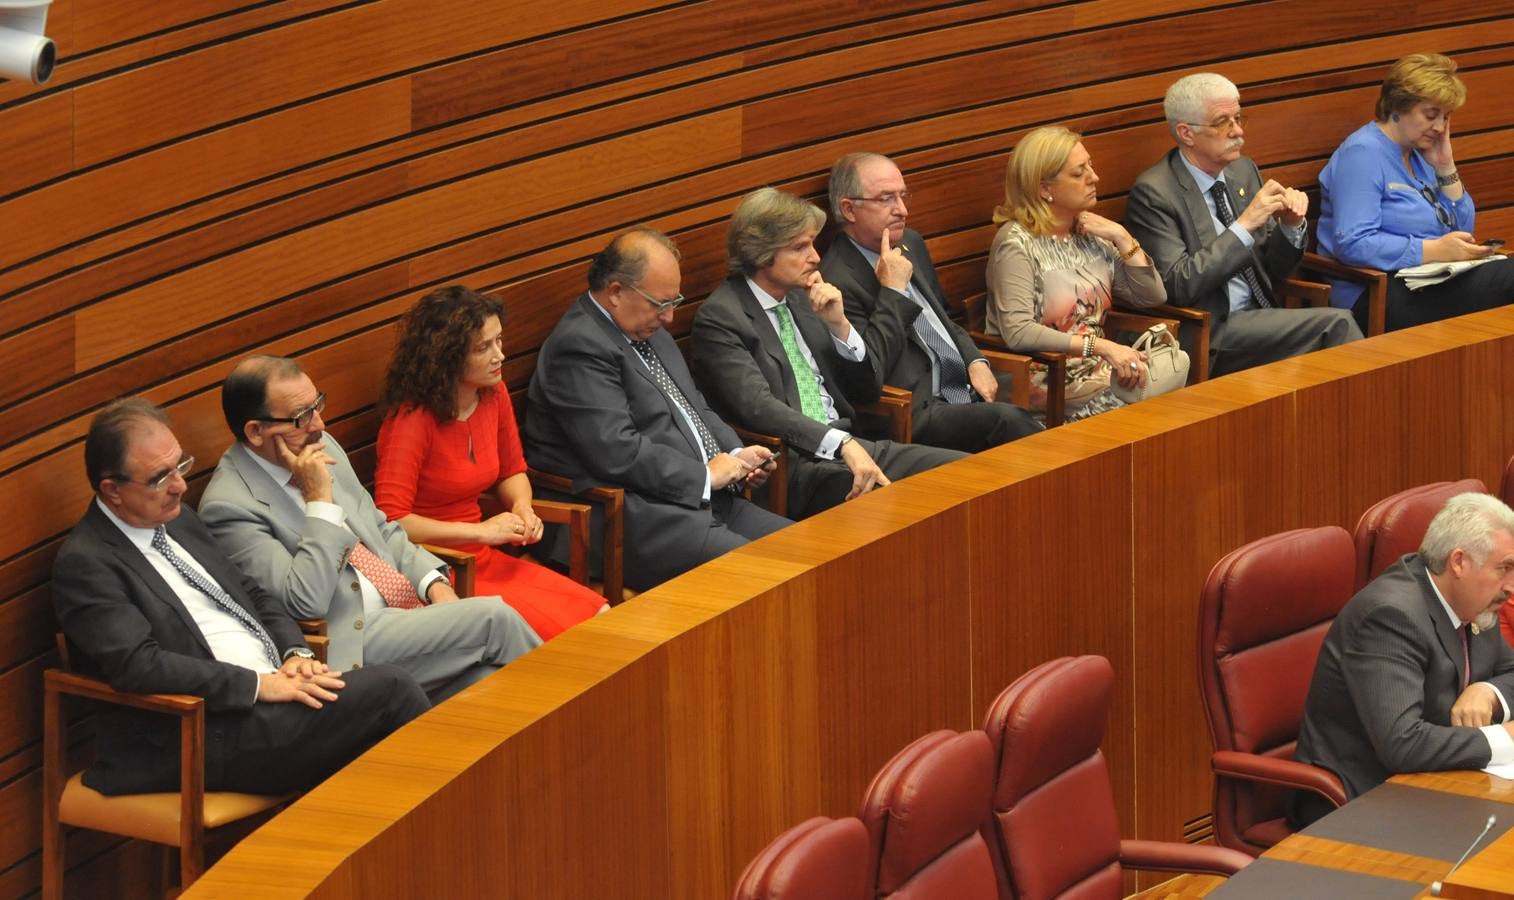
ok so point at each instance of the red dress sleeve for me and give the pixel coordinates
(512, 457)
(404, 443)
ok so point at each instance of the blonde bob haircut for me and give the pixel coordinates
(767, 221)
(1037, 159)
(1421, 78)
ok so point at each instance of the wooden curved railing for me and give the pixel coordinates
(206, 179)
(652, 751)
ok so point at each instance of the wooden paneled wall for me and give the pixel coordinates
(207, 178)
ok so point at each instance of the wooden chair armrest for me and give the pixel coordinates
(1018, 366)
(320, 645)
(61, 682)
(1295, 292)
(896, 405)
(613, 502)
(576, 517)
(1120, 320)
(464, 567)
(1374, 280)
(311, 627)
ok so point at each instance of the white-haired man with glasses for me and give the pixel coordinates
(612, 403)
(1223, 239)
(144, 591)
(878, 263)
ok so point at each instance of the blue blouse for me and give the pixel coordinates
(1373, 213)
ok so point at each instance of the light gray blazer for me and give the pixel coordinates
(302, 561)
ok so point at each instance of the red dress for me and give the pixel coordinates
(424, 468)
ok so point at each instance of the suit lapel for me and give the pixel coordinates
(767, 336)
(635, 363)
(1193, 200)
(133, 559)
(264, 489)
(1445, 633)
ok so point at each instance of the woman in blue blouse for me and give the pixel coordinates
(1392, 198)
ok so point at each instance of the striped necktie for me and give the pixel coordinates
(1227, 218)
(213, 591)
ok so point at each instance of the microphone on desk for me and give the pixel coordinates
(1436, 885)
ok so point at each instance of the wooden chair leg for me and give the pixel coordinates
(54, 753)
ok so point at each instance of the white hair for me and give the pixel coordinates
(1468, 523)
(1187, 97)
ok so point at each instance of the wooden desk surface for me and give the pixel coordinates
(1487, 875)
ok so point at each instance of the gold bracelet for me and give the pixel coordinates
(1135, 247)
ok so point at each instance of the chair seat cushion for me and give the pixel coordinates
(152, 817)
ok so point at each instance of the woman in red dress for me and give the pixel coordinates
(449, 435)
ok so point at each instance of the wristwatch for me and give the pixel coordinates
(301, 652)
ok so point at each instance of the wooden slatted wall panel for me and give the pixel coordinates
(204, 179)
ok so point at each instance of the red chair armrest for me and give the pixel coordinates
(1170, 856)
(1281, 772)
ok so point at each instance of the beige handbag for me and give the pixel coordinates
(1166, 366)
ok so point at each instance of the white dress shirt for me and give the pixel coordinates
(1500, 743)
(373, 601)
(852, 349)
(1236, 288)
(229, 640)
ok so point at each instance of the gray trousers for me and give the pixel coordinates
(448, 646)
(1255, 337)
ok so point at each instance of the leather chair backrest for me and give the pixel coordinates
(1263, 615)
(820, 859)
(924, 813)
(1053, 809)
(1395, 525)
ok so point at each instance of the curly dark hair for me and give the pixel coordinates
(433, 348)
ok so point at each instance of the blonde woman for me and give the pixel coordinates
(1055, 266)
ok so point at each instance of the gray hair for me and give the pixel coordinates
(1187, 97)
(846, 179)
(1467, 522)
(765, 222)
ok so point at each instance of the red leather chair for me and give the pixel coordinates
(924, 811)
(1053, 809)
(1262, 617)
(1395, 525)
(821, 859)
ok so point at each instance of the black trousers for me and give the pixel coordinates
(971, 427)
(816, 485)
(278, 747)
(1484, 287)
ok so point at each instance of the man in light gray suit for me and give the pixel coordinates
(1413, 675)
(287, 507)
(1224, 240)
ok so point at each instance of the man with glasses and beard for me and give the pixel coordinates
(143, 590)
(1224, 240)
(1413, 675)
(612, 403)
(288, 508)
(882, 267)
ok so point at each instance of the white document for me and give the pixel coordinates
(1422, 276)
(1502, 771)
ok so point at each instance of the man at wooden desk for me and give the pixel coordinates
(1413, 675)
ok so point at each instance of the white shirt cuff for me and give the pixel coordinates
(1501, 701)
(707, 483)
(1294, 233)
(828, 444)
(432, 577)
(1500, 745)
(852, 348)
(1247, 238)
(327, 512)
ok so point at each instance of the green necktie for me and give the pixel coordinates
(809, 391)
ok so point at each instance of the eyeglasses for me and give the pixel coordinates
(888, 200)
(661, 305)
(1224, 124)
(301, 419)
(159, 481)
(1440, 211)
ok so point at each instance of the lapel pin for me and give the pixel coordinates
(1240, 192)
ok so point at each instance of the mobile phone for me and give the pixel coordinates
(1495, 243)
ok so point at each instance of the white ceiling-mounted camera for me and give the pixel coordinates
(25, 52)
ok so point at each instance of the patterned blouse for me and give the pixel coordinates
(1043, 288)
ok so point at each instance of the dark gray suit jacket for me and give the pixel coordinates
(739, 358)
(1388, 673)
(595, 415)
(115, 607)
(897, 353)
(1166, 212)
